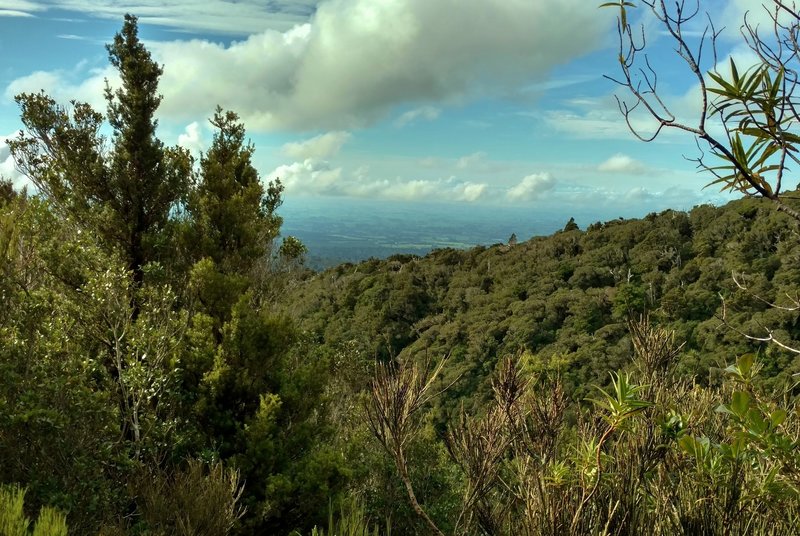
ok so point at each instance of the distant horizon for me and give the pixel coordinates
(337, 230)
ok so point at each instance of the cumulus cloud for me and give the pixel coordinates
(355, 60)
(65, 85)
(531, 187)
(321, 147)
(621, 163)
(427, 113)
(419, 189)
(471, 192)
(5, 156)
(193, 138)
(315, 177)
(308, 177)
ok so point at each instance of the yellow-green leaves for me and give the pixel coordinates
(745, 369)
(622, 402)
(752, 106)
(14, 522)
(622, 4)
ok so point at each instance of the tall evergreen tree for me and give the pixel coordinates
(124, 195)
(232, 221)
(233, 215)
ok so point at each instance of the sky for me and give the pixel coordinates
(497, 103)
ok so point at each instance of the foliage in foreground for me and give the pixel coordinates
(352, 520)
(147, 385)
(654, 454)
(14, 522)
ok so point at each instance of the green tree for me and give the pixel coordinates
(233, 215)
(59, 420)
(292, 250)
(232, 221)
(7, 192)
(755, 106)
(571, 225)
(125, 195)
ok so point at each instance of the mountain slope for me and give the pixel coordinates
(564, 299)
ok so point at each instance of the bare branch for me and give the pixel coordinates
(769, 337)
(757, 109)
(397, 394)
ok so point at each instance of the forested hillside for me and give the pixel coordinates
(564, 300)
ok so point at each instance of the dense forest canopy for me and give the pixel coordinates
(168, 365)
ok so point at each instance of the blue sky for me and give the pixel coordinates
(492, 102)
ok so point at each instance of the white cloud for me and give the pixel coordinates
(14, 13)
(673, 197)
(320, 147)
(193, 138)
(427, 113)
(358, 59)
(314, 177)
(72, 37)
(66, 85)
(20, 8)
(531, 187)
(308, 177)
(733, 16)
(600, 117)
(471, 192)
(621, 163)
(233, 17)
(420, 189)
(597, 118)
(639, 194)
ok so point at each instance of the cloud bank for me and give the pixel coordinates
(316, 177)
(355, 60)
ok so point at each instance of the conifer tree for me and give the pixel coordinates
(234, 217)
(232, 221)
(126, 194)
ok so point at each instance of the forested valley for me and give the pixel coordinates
(169, 366)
